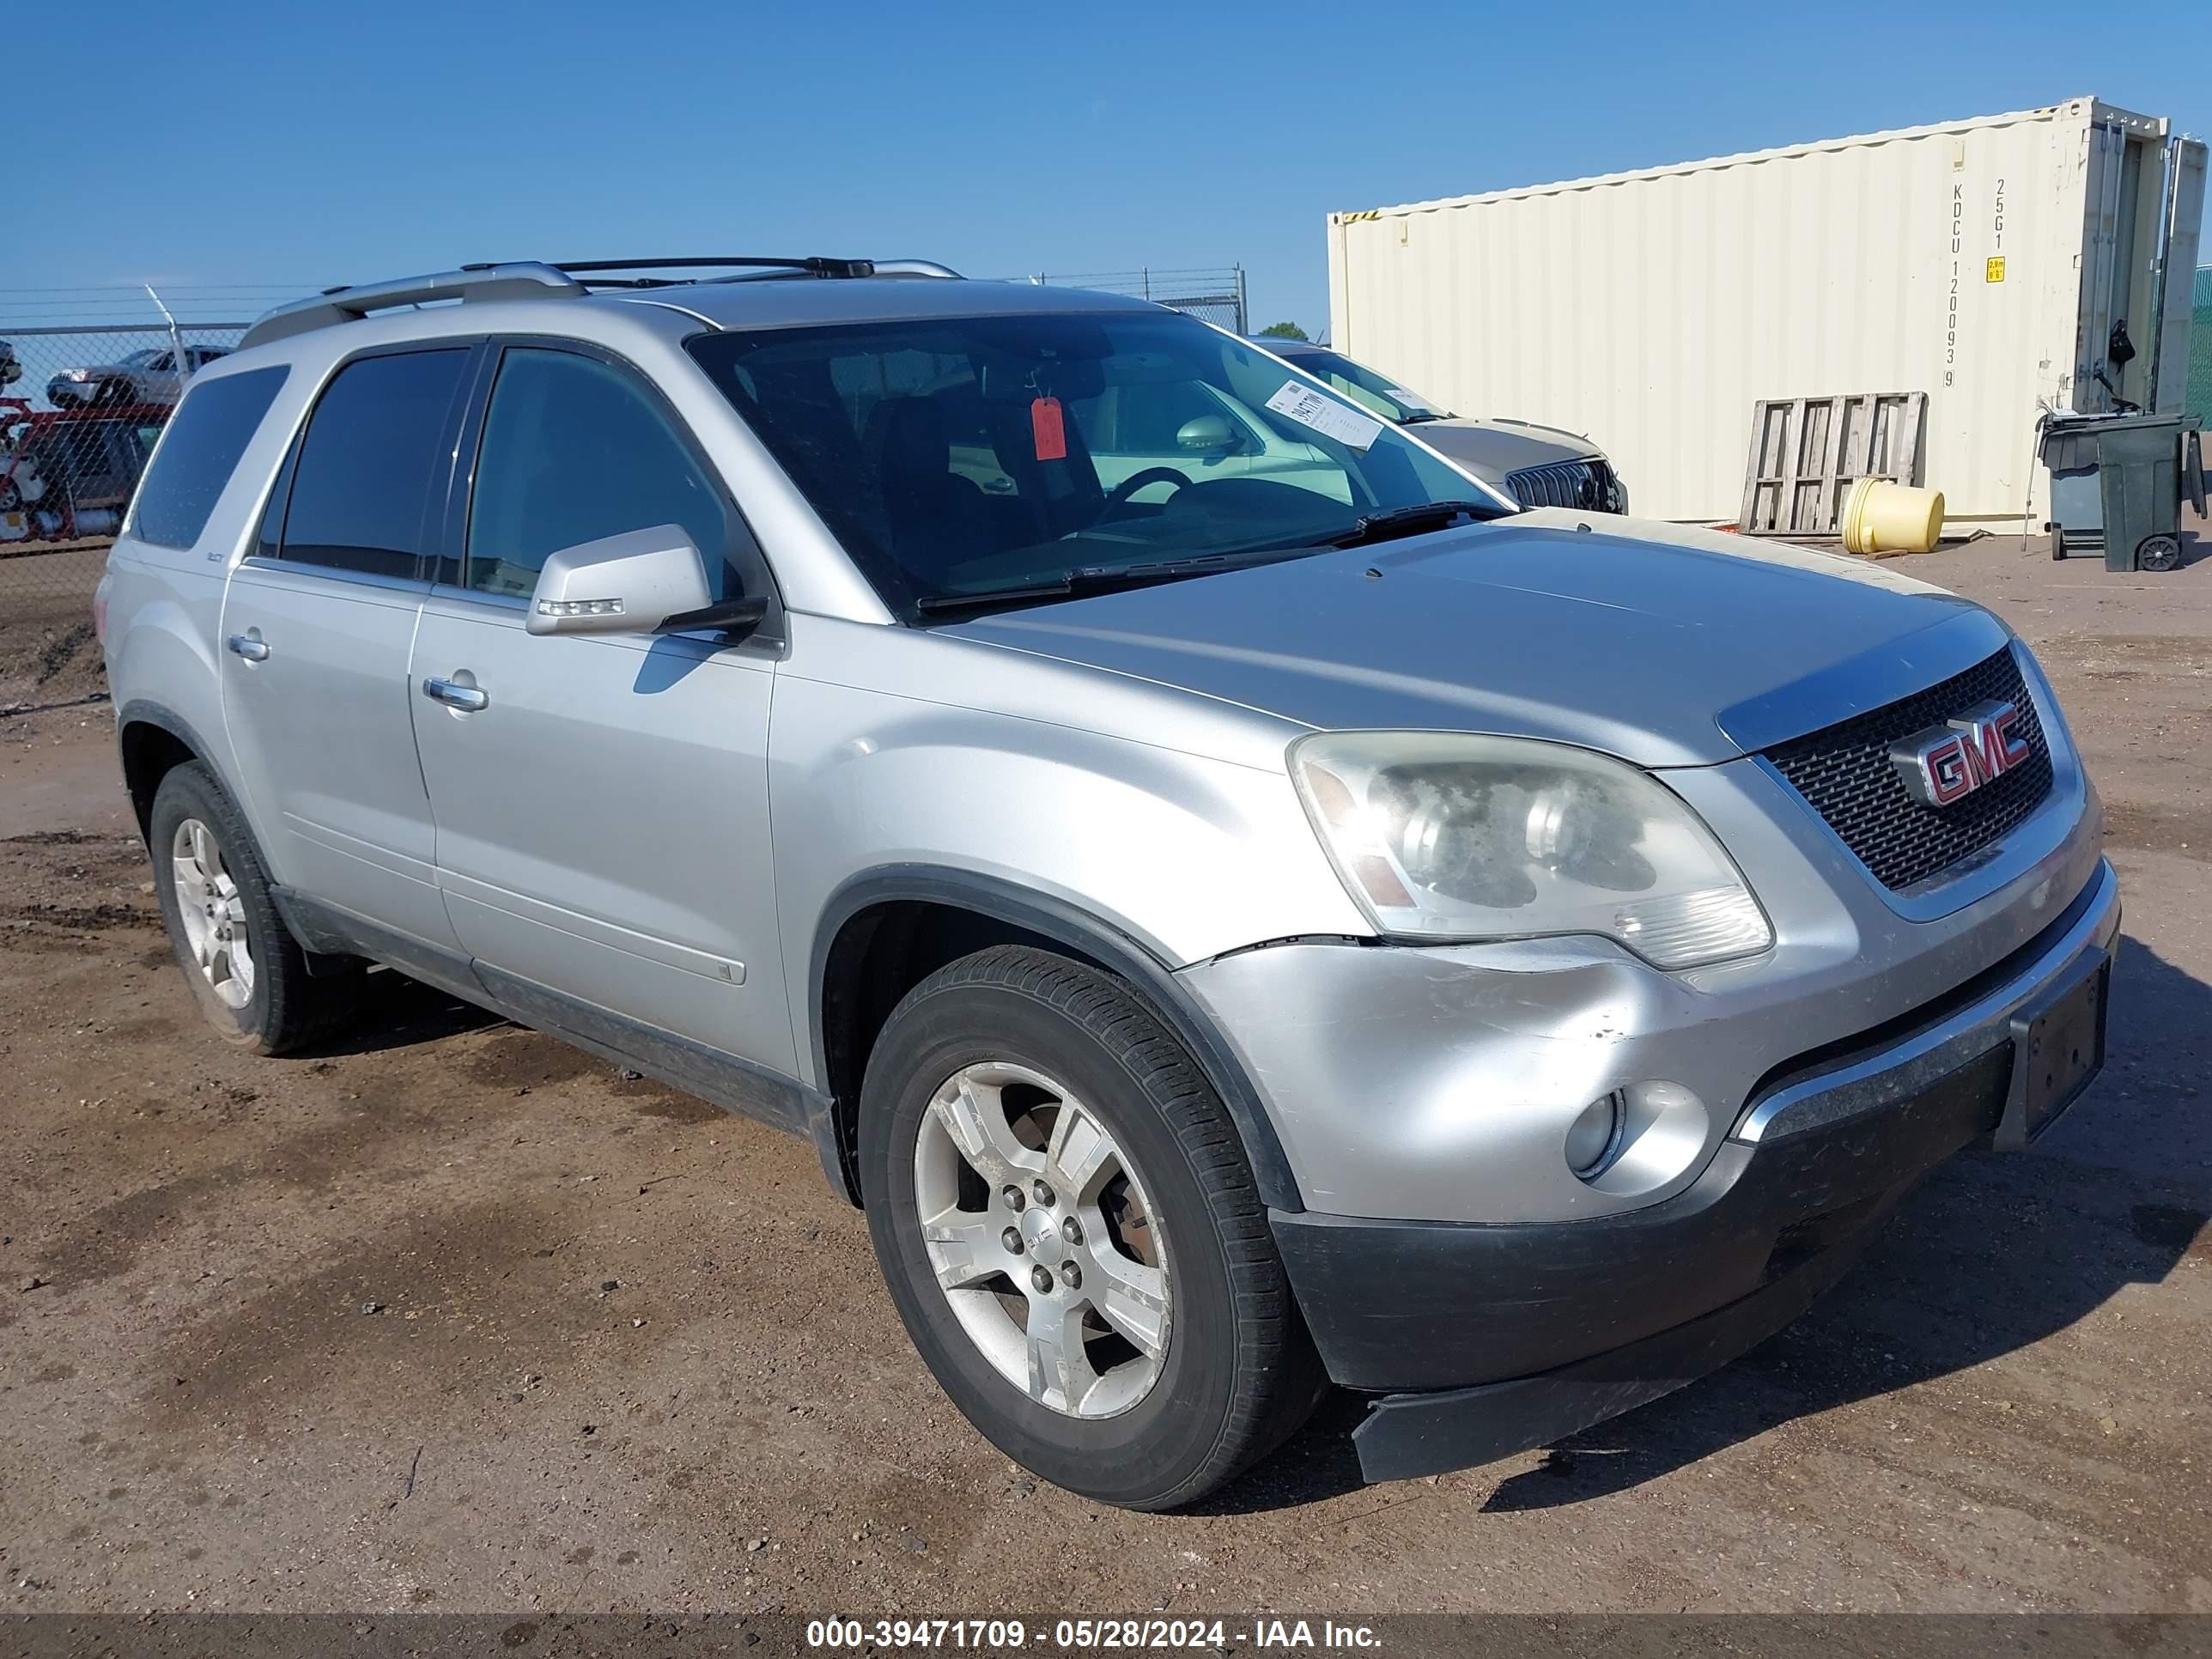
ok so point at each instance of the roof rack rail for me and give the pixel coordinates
(741, 265)
(532, 279)
(522, 280)
(813, 264)
(916, 268)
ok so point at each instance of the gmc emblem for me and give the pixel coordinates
(1948, 762)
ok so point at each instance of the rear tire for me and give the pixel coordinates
(1173, 1357)
(246, 970)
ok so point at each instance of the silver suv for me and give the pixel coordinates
(1238, 923)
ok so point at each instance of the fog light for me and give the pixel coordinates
(1595, 1136)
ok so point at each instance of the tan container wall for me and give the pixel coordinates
(2185, 224)
(1652, 310)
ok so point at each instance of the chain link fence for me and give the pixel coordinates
(80, 409)
(88, 377)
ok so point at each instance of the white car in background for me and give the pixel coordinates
(149, 376)
(1536, 465)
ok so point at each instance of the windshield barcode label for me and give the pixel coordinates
(1308, 407)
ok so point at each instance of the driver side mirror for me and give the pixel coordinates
(642, 581)
(1210, 433)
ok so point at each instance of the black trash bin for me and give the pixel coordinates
(2117, 485)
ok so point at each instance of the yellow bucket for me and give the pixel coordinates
(1880, 517)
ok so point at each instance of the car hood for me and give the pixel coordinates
(1664, 646)
(1491, 449)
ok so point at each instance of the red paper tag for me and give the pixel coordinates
(1045, 425)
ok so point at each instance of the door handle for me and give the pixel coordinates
(247, 646)
(467, 698)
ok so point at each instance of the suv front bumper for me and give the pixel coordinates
(1489, 1340)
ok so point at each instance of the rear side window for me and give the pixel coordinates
(368, 490)
(207, 435)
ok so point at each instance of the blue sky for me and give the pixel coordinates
(304, 143)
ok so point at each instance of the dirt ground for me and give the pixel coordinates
(453, 1317)
(48, 654)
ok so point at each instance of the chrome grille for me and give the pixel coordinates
(1587, 484)
(1844, 774)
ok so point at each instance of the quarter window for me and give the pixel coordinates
(574, 450)
(369, 490)
(206, 436)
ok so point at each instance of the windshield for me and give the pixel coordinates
(965, 455)
(1367, 388)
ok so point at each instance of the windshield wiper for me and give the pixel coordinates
(1414, 417)
(1416, 520)
(1105, 578)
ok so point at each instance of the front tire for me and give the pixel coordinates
(1071, 1233)
(246, 970)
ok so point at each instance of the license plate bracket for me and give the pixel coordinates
(2058, 1046)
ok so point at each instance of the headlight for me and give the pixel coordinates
(1616, 494)
(1442, 835)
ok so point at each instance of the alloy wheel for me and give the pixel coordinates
(213, 912)
(1041, 1238)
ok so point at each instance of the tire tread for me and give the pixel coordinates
(298, 1010)
(1278, 1374)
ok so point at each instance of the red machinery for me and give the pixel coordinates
(66, 474)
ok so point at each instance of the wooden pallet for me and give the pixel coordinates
(1807, 453)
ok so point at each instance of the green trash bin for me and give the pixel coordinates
(2139, 478)
(2119, 481)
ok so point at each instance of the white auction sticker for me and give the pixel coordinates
(1309, 407)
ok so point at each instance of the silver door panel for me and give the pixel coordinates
(602, 822)
(325, 741)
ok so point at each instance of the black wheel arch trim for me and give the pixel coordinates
(144, 711)
(1078, 930)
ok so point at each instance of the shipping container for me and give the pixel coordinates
(2199, 401)
(1981, 262)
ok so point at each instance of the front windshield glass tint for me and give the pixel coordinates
(1364, 387)
(955, 455)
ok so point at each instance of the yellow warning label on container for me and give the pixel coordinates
(1994, 271)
